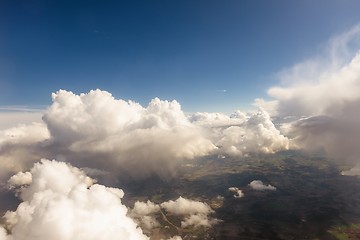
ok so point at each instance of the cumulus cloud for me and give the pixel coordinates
(240, 133)
(324, 93)
(195, 212)
(144, 214)
(96, 131)
(136, 139)
(183, 206)
(237, 192)
(260, 186)
(104, 133)
(61, 202)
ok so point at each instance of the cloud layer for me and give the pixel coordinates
(97, 131)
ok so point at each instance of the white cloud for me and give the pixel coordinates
(24, 134)
(260, 186)
(198, 220)
(325, 93)
(241, 133)
(102, 132)
(20, 179)
(183, 206)
(195, 213)
(97, 131)
(144, 214)
(62, 203)
(237, 192)
(136, 139)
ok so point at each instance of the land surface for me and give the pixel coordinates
(312, 200)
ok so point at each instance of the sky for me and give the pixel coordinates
(208, 55)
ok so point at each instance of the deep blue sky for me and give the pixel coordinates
(183, 50)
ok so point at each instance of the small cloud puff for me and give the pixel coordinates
(260, 186)
(237, 192)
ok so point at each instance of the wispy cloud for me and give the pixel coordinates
(221, 90)
(22, 108)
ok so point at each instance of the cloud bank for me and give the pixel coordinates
(96, 131)
(104, 133)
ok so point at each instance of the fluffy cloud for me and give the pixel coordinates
(104, 133)
(183, 206)
(195, 212)
(112, 135)
(260, 186)
(61, 202)
(144, 214)
(325, 93)
(237, 192)
(138, 140)
(240, 133)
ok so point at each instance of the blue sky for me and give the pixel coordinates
(185, 50)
